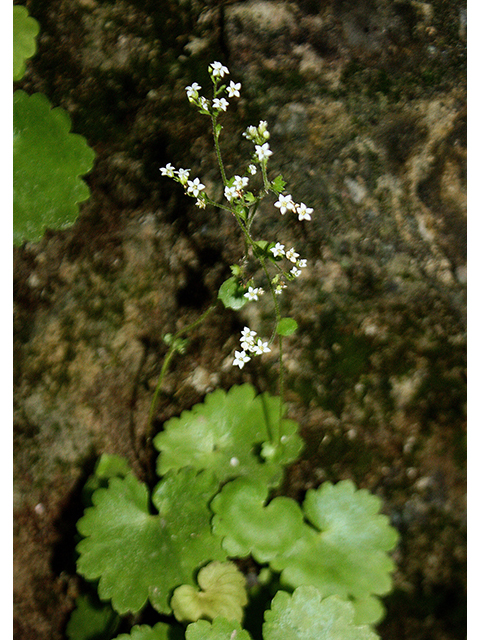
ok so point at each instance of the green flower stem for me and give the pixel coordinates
(216, 136)
(170, 353)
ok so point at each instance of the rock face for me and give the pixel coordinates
(366, 106)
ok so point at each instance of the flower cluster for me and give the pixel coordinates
(242, 203)
(249, 343)
(193, 188)
(285, 203)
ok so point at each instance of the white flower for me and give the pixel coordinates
(192, 91)
(252, 169)
(248, 334)
(261, 347)
(183, 175)
(220, 103)
(279, 288)
(168, 170)
(201, 203)
(240, 182)
(240, 359)
(302, 264)
(285, 203)
(278, 250)
(233, 89)
(262, 130)
(247, 341)
(304, 212)
(250, 133)
(263, 151)
(253, 293)
(292, 255)
(195, 186)
(204, 103)
(217, 69)
(295, 272)
(230, 192)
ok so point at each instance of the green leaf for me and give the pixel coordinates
(369, 610)
(143, 632)
(25, 30)
(108, 466)
(111, 466)
(304, 615)
(91, 620)
(344, 552)
(286, 326)
(138, 555)
(248, 527)
(232, 294)
(249, 197)
(223, 594)
(219, 629)
(225, 434)
(278, 185)
(262, 248)
(47, 163)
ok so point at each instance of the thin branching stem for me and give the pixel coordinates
(166, 363)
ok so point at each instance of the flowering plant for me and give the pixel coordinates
(242, 201)
(180, 545)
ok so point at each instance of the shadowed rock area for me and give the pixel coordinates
(366, 105)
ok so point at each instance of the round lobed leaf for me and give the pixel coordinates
(143, 632)
(225, 434)
(25, 31)
(248, 527)
(223, 594)
(138, 555)
(47, 163)
(91, 619)
(344, 552)
(219, 629)
(304, 615)
(286, 326)
(232, 294)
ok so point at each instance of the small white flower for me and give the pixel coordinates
(261, 347)
(250, 133)
(192, 91)
(194, 187)
(248, 339)
(302, 264)
(263, 151)
(304, 212)
(279, 288)
(220, 103)
(292, 255)
(201, 203)
(233, 89)
(239, 183)
(217, 69)
(168, 170)
(204, 103)
(230, 192)
(183, 175)
(262, 130)
(248, 334)
(240, 359)
(295, 272)
(278, 250)
(252, 169)
(285, 203)
(253, 293)
(234, 462)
